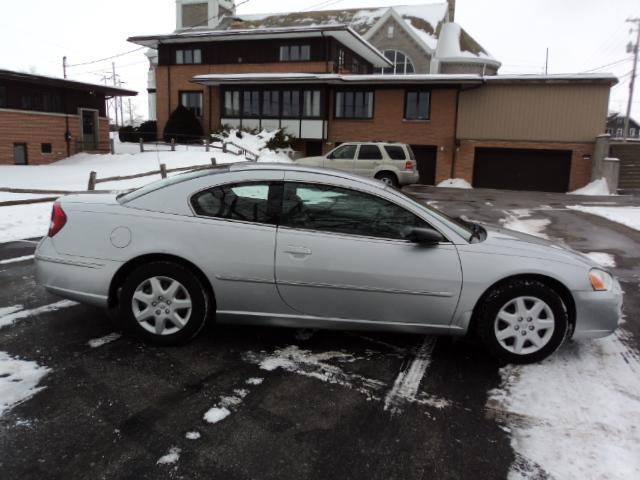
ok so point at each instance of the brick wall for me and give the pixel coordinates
(34, 129)
(170, 81)
(580, 157)
(388, 124)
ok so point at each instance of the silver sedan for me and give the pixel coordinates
(300, 247)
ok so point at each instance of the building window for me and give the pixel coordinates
(271, 103)
(291, 104)
(632, 132)
(46, 148)
(295, 53)
(251, 104)
(619, 133)
(417, 105)
(355, 66)
(232, 103)
(354, 104)
(3, 96)
(402, 64)
(390, 31)
(311, 105)
(189, 57)
(192, 101)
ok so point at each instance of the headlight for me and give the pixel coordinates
(600, 280)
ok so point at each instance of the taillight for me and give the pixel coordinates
(409, 165)
(58, 219)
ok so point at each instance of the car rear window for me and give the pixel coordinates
(369, 152)
(395, 152)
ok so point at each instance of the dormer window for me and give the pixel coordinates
(295, 53)
(189, 57)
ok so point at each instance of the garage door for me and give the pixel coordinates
(426, 156)
(522, 169)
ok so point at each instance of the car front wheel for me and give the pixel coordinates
(163, 303)
(523, 321)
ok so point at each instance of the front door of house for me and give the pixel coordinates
(20, 153)
(89, 133)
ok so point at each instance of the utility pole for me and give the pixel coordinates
(64, 66)
(115, 98)
(632, 84)
(130, 112)
(120, 101)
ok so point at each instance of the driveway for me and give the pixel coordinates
(270, 403)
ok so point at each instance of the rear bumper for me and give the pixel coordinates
(598, 313)
(408, 177)
(84, 280)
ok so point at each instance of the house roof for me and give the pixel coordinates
(343, 33)
(424, 79)
(64, 83)
(425, 22)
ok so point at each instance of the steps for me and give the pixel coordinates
(629, 155)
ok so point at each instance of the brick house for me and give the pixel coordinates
(45, 119)
(322, 79)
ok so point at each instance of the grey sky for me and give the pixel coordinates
(581, 34)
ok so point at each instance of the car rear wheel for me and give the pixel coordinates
(388, 179)
(523, 321)
(163, 303)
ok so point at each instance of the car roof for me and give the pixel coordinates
(292, 167)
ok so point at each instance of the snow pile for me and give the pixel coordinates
(192, 435)
(254, 381)
(629, 216)
(518, 221)
(19, 380)
(216, 414)
(24, 221)
(604, 259)
(10, 315)
(170, 458)
(99, 342)
(598, 187)
(576, 414)
(454, 183)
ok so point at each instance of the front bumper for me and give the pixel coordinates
(598, 313)
(81, 279)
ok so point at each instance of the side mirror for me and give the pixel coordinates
(425, 236)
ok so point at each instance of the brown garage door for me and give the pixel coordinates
(522, 169)
(426, 156)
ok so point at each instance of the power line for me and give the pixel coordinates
(608, 65)
(326, 3)
(107, 58)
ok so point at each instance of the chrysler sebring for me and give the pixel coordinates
(302, 247)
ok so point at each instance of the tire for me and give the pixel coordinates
(519, 306)
(163, 303)
(388, 178)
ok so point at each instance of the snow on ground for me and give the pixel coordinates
(28, 221)
(605, 259)
(598, 187)
(192, 435)
(216, 414)
(629, 216)
(17, 259)
(518, 220)
(10, 315)
(171, 457)
(455, 183)
(576, 414)
(99, 342)
(19, 380)
(254, 381)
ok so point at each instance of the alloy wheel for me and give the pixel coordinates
(524, 325)
(161, 305)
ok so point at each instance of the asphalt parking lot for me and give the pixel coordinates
(301, 403)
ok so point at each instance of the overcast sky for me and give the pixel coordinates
(581, 35)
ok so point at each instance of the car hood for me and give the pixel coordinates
(509, 242)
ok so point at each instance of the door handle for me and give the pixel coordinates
(297, 251)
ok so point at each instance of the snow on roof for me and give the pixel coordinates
(455, 44)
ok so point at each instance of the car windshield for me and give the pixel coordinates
(152, 187)
(461, 228)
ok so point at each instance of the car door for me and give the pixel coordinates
(342, 158)
(343, 254)
(368, 160)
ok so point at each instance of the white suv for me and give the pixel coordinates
(391, 163)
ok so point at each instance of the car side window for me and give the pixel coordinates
(345, 152)
(395, 152)
(339, 210)
(247, 202)
(369, 152)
